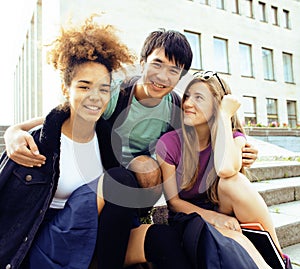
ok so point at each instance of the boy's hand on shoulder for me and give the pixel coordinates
(21, 148)
(249, 155)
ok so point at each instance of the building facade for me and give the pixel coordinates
(253, 44)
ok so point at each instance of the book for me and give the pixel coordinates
(265, 245)
(252, 225)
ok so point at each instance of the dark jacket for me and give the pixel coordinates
(206, 247)
(26, 193)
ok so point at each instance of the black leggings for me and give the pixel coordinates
(115, 222)
(163, 248)
(162, 242)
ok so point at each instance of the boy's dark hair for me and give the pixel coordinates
(175, 44)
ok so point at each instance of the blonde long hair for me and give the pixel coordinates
(190, 154)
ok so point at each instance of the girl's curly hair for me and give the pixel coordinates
(88, 42)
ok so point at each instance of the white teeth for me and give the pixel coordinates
(93, 107)
(158, 85)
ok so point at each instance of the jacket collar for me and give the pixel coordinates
(51, 130)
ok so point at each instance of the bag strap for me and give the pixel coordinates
(124, 101)
(175, 122)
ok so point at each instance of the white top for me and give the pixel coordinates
(80, 163)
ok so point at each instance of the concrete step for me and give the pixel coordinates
(273, 170)
(2, 130)
(294, 253)
(286, 218)
(2, 148)
(277, 191)
(3, 127)
(273, 191)
(1, 137)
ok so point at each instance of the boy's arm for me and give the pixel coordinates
(20, 145)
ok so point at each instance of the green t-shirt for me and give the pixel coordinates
(142, 127)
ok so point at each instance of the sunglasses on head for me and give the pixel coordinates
(206, 75)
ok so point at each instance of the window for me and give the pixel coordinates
(194, 40)
(262, 11)
(274, 15)
(272, 109)
(236, 6)
(205, 2)
(292, 113)
(220, 55)
(220, 4)
(249, 8)
(286, 19)
(249, 104)
(288, 67)
(246, 60)
(267, 56)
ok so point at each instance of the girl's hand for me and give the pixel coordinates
(223, 221)
(229, 105)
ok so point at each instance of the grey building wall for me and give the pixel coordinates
(37, 87)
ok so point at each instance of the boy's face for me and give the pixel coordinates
(160, 75)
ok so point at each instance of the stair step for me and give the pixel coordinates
(273, 191)
(286, 218)
(273, 170)
(294, 253)
(278, 191)
(2, 131)
(3, 127)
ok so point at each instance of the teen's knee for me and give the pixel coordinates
(120, 175)
(146, 170)
(120, 187)
(231, 191)
(233, 185)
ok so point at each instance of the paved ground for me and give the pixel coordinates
(294, 253)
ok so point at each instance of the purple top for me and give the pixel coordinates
(170, 150)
